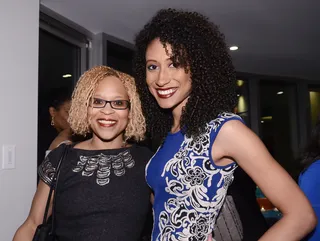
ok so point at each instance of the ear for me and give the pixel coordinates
(52, 111)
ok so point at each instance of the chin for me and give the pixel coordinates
(107, 137)
(165, 104)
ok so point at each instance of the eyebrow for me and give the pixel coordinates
(152, 60)
(113, 97)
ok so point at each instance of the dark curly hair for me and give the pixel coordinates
(199, 47)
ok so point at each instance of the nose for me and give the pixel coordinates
(107, 109)
(163, 77)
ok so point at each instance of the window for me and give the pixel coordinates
(62, 58)
(119, 57)
(278, 123)
(314, 94)
(242, 107)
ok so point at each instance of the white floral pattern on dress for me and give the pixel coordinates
(191, 210)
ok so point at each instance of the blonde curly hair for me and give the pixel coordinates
(84, 90)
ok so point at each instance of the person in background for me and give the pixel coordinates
(309, 179)
(59, 112)
(102, 193)
(186, 82)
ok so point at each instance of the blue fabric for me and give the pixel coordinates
(189, 188)
(309, 182)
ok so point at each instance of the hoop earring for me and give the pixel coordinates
(52, 121)
(124, 141)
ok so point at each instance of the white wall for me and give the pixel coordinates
(19, 27)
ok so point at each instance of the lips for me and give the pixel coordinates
(166, 93)
(107, 122)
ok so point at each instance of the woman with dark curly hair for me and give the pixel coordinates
(187, 84)
(309, 180)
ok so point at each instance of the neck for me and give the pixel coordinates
(176, 113)
(65, 132)
(97, 143)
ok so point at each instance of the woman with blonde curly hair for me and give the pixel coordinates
(101, 192)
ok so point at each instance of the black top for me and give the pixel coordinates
(101, 195)
(243, 192)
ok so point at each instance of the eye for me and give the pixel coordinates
(173, 65)
(97, 102)
(152, 67)
(119, 103)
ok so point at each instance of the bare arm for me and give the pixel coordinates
(26, 231)
(236, 141)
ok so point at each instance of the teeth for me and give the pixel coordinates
(166, 92)
(107, 122)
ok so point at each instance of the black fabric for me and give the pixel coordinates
(90, 208)
(43, 233)
(243, 192)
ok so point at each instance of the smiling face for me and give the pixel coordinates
(170, 85)
(108, 124)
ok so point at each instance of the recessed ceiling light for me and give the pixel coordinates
(234, 48)
(66, 76)
(280, 93)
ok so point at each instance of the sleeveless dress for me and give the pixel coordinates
(189, 188)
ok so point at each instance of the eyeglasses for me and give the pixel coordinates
(115, 104)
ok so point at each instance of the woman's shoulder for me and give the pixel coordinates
(313, 169)
(58, 141)
(56, 152)
(311, 173)
(143, 151)
(316, 164)
(47, 168)
(224, 117)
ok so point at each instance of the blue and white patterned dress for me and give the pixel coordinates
(189, 188)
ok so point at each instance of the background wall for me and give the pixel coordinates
(19, 27)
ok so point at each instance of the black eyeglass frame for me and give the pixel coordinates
(111, 102)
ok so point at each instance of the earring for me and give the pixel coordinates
(124, 143)
(52, 121)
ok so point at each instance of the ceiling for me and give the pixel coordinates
(275, 37)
